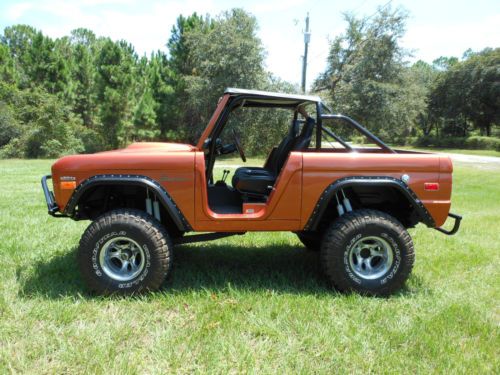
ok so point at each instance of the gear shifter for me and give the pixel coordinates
(222, 182)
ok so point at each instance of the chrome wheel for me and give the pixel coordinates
(122, 259)
(371, 257)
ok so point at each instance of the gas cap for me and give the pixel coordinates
(405, 178)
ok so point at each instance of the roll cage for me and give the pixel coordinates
(236, 98)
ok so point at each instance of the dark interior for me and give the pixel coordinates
(254, 183)
(258, 181)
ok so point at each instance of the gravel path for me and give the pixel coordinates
(475, 159)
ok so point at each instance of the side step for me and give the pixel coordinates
(205, 237)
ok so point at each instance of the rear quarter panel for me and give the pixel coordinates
(322, 169)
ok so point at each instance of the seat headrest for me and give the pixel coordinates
(307, 127)
(305, 136)
(294, 128)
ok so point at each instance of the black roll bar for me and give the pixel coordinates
(359, 128)
(336, 137)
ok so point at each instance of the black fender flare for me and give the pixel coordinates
(128, 179)
(344, 182)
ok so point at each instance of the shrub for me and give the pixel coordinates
(472, 143)
(445, 142)
(91, 139)
(13, 149)
(483, 143)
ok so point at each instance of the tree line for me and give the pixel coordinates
(83, 93)
(451, 102)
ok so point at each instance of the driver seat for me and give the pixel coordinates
(257, 181)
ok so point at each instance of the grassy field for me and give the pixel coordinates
(255, 303)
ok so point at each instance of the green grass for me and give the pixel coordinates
(452, 150)
(255, 303)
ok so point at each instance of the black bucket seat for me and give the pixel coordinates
(257, 181)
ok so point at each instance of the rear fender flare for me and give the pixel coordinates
(378, 181)
(127, 179)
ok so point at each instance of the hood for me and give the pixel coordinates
(152, 147)
(136, 157)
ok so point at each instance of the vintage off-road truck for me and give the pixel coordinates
(352, 204)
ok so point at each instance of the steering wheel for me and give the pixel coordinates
(237, 143)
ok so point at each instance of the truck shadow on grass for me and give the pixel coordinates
(214, 268)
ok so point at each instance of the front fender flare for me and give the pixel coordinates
(342, 183)
(127, 179)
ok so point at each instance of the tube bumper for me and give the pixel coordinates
(52, 207)
(456, 225)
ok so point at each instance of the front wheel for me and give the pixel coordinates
(124, 252)
(368, 252)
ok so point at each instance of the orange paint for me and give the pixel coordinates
(180, 169)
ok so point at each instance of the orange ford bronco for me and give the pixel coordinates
(351, 203)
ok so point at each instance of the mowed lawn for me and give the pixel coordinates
(254, 303)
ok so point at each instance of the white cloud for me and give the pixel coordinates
(274, 6)
(147, 29)
(16, 11)
(432, 41)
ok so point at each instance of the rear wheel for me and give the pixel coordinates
(368, 252)
(124, 252)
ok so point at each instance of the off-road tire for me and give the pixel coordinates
(143, 230)
(340, 241)
(311, 243)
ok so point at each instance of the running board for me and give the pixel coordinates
(205, 237)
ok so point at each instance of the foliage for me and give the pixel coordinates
(467, 95)
(115, 64)
(224, 52)
(36, 124)
(100, 95)
(483, 143)
(366, 76)
(439, 142)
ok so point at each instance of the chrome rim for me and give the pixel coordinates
(122, 259)
(371, 257)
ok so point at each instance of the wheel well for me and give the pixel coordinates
(388, 199)
(100, 199)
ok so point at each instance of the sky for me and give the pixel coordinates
(434, 28)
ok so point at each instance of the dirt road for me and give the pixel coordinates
(483, 162)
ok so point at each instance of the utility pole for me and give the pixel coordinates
(307, 39)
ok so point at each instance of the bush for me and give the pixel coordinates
(472, 143)
(91, 139)
(13, 149)
(483, 143)
(51, 148)
(446, 142)
(9, 126)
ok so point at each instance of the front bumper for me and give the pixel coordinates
(52, 207)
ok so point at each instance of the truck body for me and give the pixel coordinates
(314, 186)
